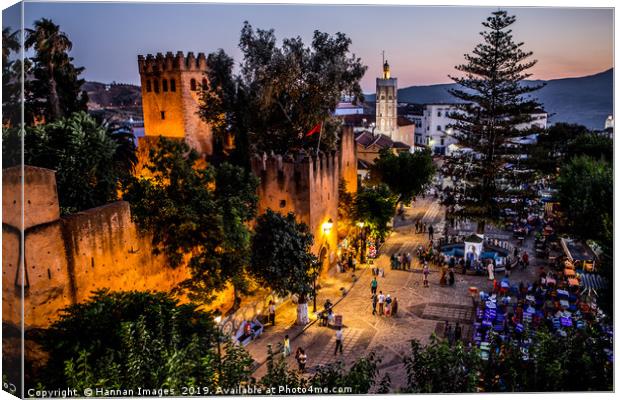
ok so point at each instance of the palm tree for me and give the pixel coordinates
(10, 43)
(50, 44)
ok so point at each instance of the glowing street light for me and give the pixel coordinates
(327, 226)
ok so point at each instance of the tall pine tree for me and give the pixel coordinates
(496, 103)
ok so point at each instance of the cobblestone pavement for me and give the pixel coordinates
(421, 311)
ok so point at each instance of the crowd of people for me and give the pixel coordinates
(514, 312)
(382, 304)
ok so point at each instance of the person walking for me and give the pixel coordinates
(381, 301)
(491, 270)
(446, 329)
(457, 333)
(301, 358)
(339, 337)
(287, 346)
(394, 307)
(272, 312)
(450, 335)
(451, 275)
(374, 304)
(425, 271)
(408, 260)
(388, 305)
(373, 286)
(431, 230)
(526, 259)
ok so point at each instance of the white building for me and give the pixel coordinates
(437, 134)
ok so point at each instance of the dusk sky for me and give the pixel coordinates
(423, 44)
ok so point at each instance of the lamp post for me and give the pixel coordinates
(362, 242)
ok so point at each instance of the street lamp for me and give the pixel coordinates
(327, 226)
(362, 242)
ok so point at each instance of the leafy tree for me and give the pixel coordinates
(280, 93)
(586, 196)
(391, 169)
(282, 259)
(360, 377)
(278, 373)
(592, 145)
(375, 207)
(495, 104)
(55, 91)
(127, 340)
(11, 79)
(440, 368)
(197, 214)
(562, 141)
(79, 150)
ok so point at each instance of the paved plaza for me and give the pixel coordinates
(421, 311)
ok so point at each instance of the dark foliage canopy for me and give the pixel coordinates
(280, 92)
(406, 174)
(281, 255)
(197, 214)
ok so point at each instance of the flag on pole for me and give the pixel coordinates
(315, 129)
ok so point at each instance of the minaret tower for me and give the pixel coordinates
(387, 103)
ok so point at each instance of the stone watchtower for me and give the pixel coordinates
(387, 104)
(171, 98)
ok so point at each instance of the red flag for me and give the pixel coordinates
(315, 129)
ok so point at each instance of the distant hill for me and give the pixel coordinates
(114, 100)
(586, 100)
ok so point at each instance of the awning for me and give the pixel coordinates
(593, 282)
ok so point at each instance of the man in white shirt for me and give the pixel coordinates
(381, 301)
(339, 338)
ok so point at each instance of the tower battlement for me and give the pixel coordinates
(299, 167)
(152, 64)
(171, 99)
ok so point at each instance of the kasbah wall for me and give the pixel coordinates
(66, 258)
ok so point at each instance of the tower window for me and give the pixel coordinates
(192, 85)
(204, 84)
(148, 85)
(439, 113)
(173, 85)
(438, 127)
(282, 203)
(164, 85)
(156, 86)
(163, 114)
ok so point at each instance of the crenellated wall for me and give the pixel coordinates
(308, 186)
